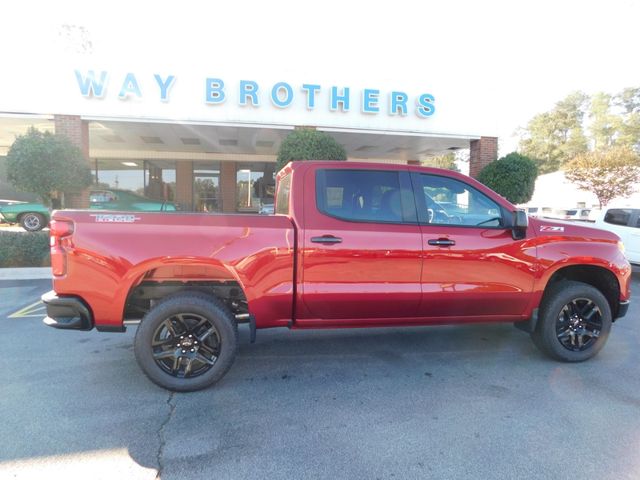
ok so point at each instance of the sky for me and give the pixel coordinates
(508, 60)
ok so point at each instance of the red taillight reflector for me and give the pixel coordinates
(58, 261)
(60, 228)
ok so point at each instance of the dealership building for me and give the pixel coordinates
(208, 139)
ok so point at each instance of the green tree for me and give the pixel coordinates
(609, 173)
(447, 161)
(43, 163)
(309, 144)
(629, 102)
(551, 138)
(605, 125)
(512, 176)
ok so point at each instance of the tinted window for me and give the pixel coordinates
(618, 216)
(364, 195)
(282, 202)
(451, 202)
(532, 209)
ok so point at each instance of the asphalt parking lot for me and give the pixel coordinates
(464, 402)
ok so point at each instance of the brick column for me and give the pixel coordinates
(228, 184)
(184, 185)
(76, 130)
(482, 152)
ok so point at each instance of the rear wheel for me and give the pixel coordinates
(187, 342)
(33, 222)
(574, 323)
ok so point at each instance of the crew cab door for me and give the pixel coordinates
(361, 246)
(472, 265)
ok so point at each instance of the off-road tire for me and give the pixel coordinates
(561, 295)
(187, 304)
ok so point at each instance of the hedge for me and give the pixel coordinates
(29, 249)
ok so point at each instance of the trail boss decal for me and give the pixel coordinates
(111, 218)
(549, 228)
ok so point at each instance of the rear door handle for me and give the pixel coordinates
(441, 242)
(326, 239)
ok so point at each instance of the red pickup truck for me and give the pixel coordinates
(350, 245)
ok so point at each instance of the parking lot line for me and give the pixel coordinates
(36, 309)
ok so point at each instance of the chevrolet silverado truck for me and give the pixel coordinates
(349, 245)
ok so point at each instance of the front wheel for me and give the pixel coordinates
(187, 342)
(574, 323)
(33, 222)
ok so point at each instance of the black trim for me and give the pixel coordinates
(67, 313)
(529, 325)
(252, 329)
(623, 308)
(111, 328)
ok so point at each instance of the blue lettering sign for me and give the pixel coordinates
(398, 104)
(214, 92)
(164, 85)
(249, 89)
(275, 94)
(370, 101)
(129, 87)
(343, 99)
(426, 108)
(311, 90)
(90, 86)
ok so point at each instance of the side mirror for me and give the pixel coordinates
(519, 223)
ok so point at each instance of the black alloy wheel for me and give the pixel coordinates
(186, 345)
(579, 324)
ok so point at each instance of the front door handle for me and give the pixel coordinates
(326, 239)
(441, 242)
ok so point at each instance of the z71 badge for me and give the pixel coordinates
(549, 228)
(114, 218)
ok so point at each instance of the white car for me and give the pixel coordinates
(625, 222)
(570, 213)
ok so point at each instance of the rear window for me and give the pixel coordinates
(618, 216)
(282, 198)
(364, 196)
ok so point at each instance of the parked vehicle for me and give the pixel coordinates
(125, 200)
(35, 216)
(533, 211)
(624, 222)
(350, 245)
(570, 214)
(31, 216)
(266, 209)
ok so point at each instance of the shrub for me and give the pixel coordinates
(24, 249)
(44, 163)
(308, 144)
(512, 176)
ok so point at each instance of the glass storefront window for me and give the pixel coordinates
(147, 185)
(206, 187)
(255, 186)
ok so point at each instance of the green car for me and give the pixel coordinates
(32, 216)
(35, 216)
(125, 200)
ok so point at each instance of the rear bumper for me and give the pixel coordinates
(622, 308)
(67, 313)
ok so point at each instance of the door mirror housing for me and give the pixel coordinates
(519, 224)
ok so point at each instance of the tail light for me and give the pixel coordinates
(60, 232)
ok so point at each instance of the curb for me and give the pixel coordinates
(26, 273)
